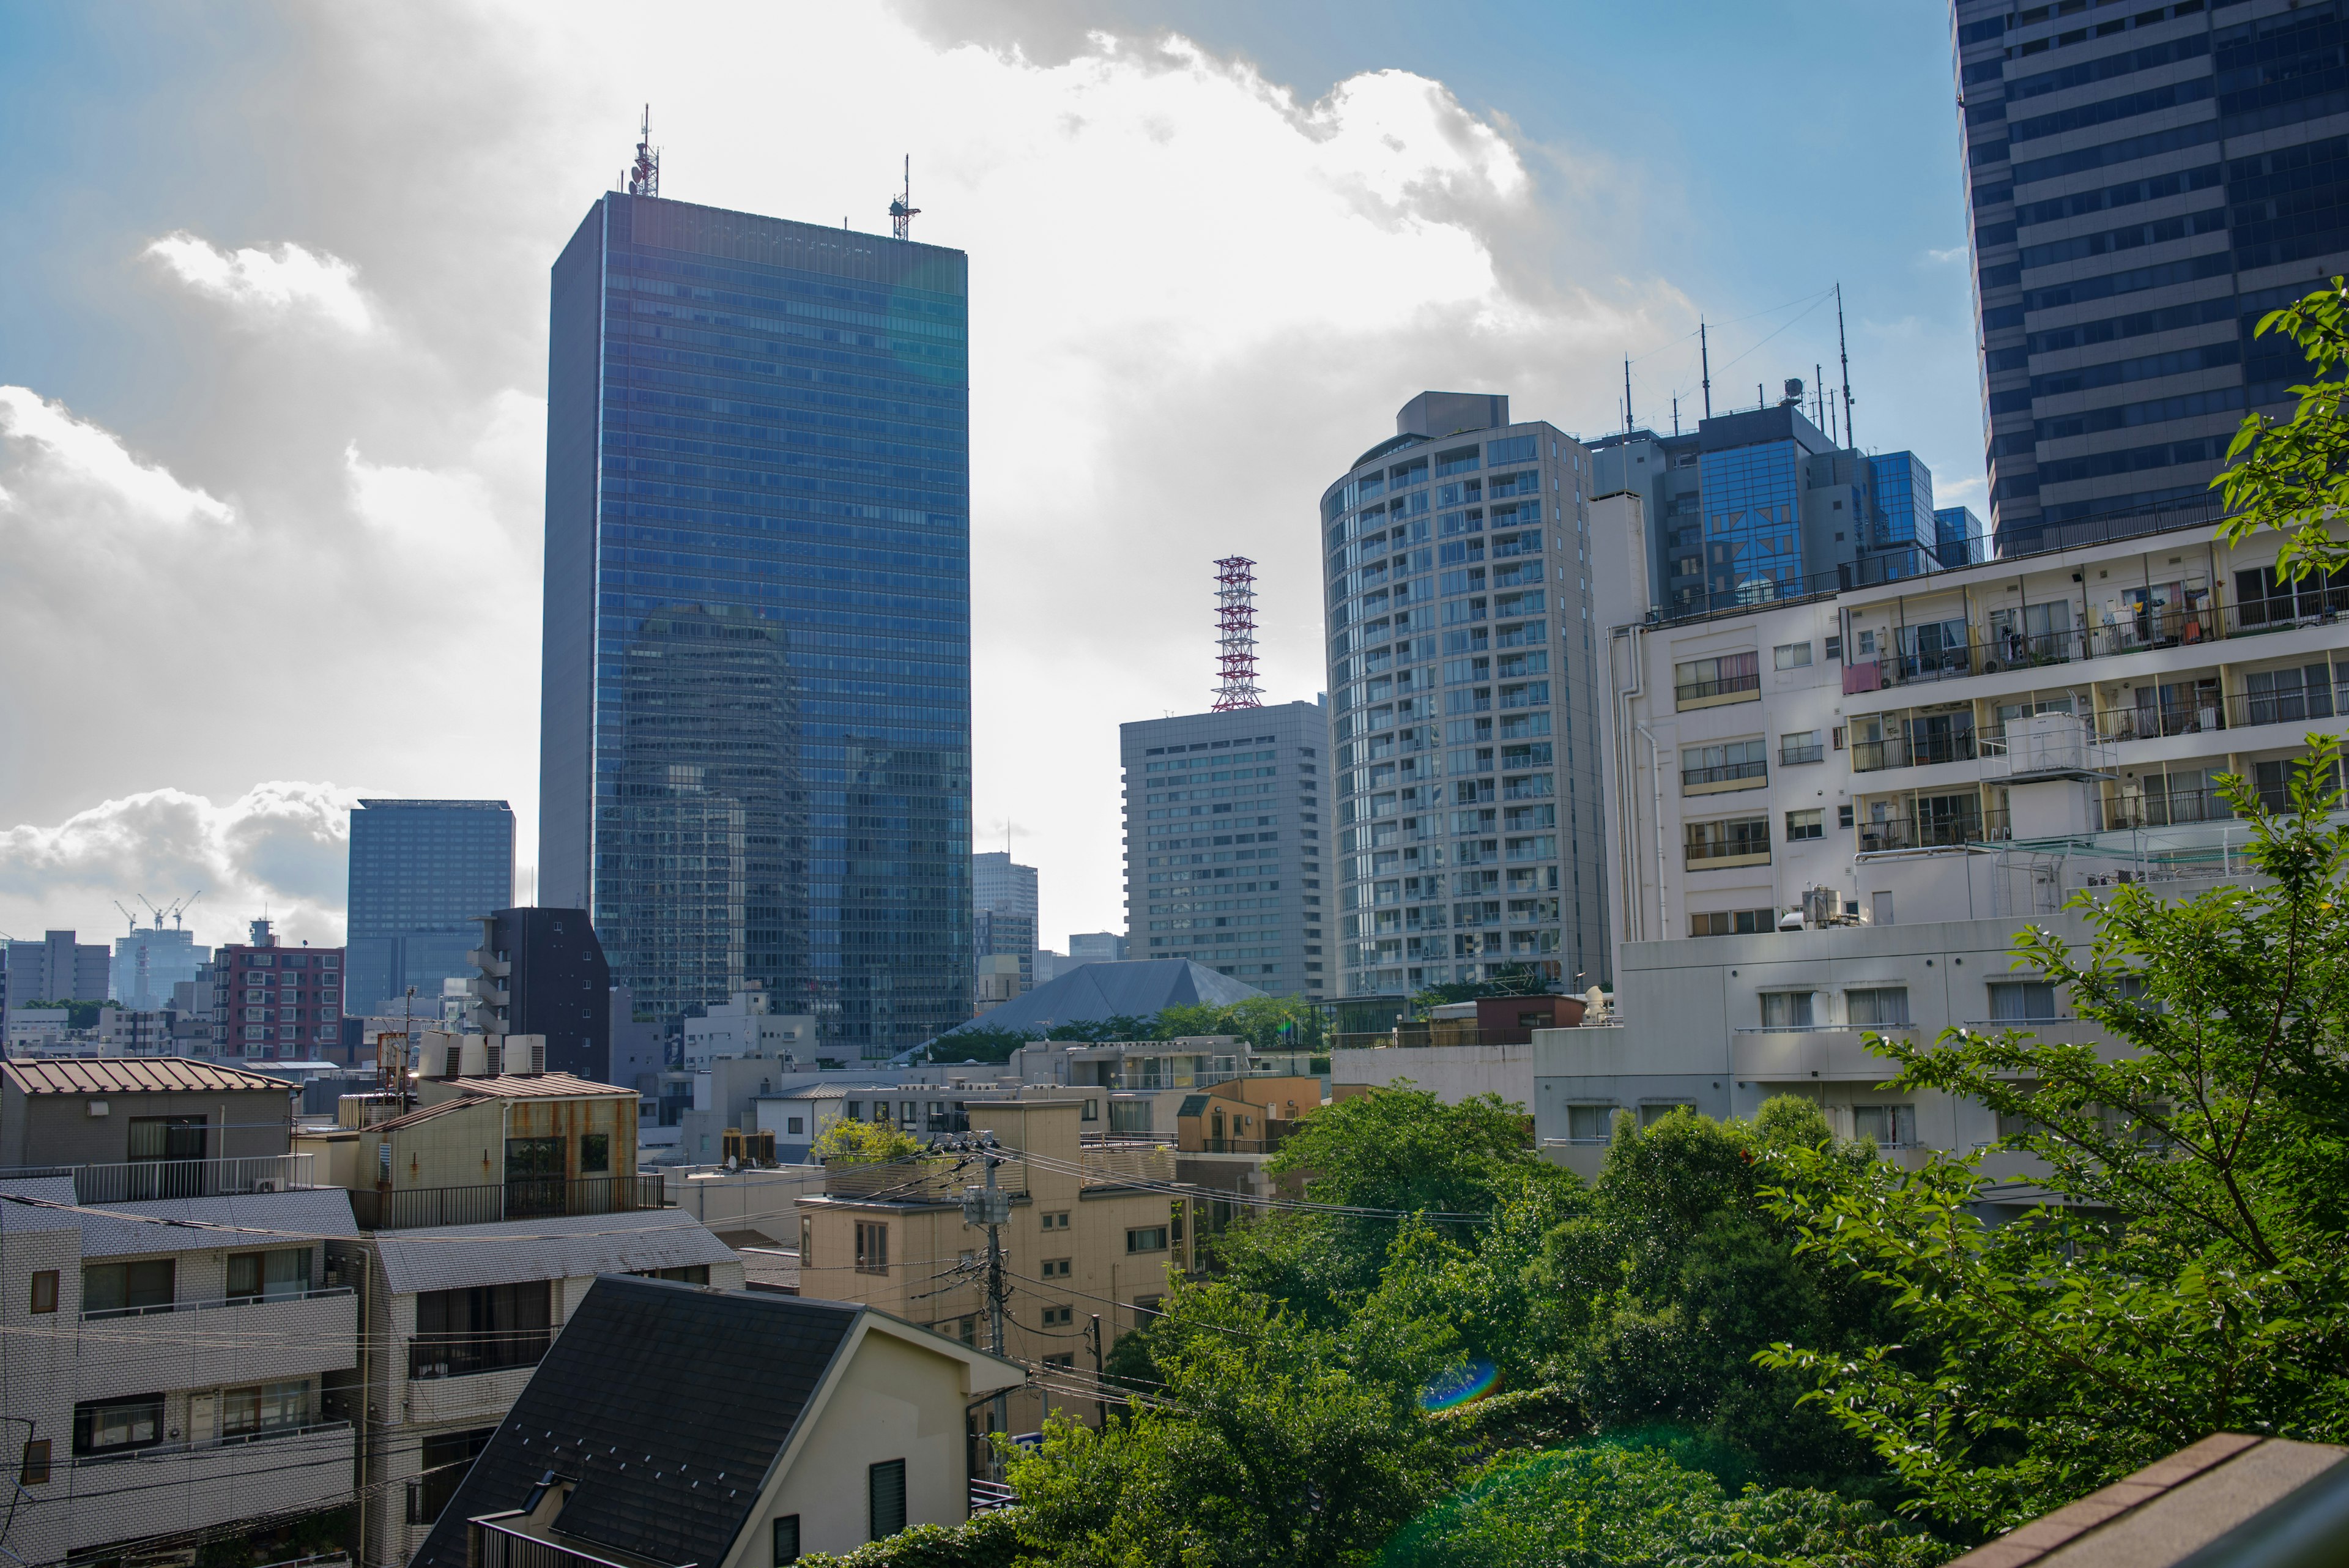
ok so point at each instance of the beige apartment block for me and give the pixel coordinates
(1095, 1229)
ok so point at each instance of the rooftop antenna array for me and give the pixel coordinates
(1235, 634)
(643, 177)
(901, 208)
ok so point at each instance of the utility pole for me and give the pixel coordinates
(991, 1207)
(1101, 1404)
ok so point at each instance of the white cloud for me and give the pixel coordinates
(281, 847)
(269, 284)
(1954, 254)
(1197, 294)
(59, 460)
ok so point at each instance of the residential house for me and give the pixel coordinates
(1095, 1230)
(674, 1427)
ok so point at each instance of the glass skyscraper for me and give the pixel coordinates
(1463, 711)
(756, 731)
(2146, 182)
(421, 873)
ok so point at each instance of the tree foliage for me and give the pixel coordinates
(1600, 1505)
(2194, 1276)
(2294, 476)
(863, 1143)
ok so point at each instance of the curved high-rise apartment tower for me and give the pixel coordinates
(1463, 724)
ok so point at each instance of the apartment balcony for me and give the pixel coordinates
(202, 1344)
(2317, 706)
(149, 1180)
(183, 1487)
(1912, 752)
(535, 1198)
(1708, 693)
(2167, 808)
(1881, 834)
(1991, 651)
(489, 963)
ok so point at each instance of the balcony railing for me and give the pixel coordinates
(1908, 833)
(146, 1180)
(494, 1545)
(109, 1314)
(2154, 723)
(1698, 690)
(1725, 848)
(2315, 704)
(2168, 809)
(1911, 752)
(533, 1198)
(1691, 778)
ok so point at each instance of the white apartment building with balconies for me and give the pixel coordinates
(2024, 727)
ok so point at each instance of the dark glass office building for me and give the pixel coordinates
(755, 757)
(2147, 181)
(421, 873)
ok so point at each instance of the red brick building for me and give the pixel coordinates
(275, 1004)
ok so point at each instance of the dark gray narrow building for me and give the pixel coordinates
(755, 735)
(2144, 183)
(544, 973)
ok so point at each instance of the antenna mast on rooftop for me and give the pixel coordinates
(901, 208)
(644, 176)
(1844, 351)
(1236, 634)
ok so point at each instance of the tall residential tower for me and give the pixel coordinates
(1463, 716)
(755, 741)
(2146, 182)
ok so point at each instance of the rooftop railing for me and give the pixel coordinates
(530, 1198)
(148, 1180)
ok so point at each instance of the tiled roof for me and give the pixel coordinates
(451, 1257)
(476, 1091)
(1135, 988)
(131, 1076)
(668, 1403)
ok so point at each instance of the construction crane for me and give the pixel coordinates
(173, 913)
(132, 917)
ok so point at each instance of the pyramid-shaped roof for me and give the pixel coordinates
(1133, 988)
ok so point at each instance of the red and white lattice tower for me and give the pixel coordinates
(1236, 634)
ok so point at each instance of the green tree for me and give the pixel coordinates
(2195, 1278)
(1673, 1276)
(1397, 1151)
(1606, 1505)
(863, 1143)
(1265, 1023)
(981, 1045)
(1270, 1444)
(989, 1540)
(2294, 476)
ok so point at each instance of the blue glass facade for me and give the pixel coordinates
(757, 713)
(1753, 520)
(1958, 537)
(1903, 501)
(421, 872)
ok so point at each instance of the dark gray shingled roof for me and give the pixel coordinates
(667, 1403)
(1133, 988)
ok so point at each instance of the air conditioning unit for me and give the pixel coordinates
(1992, 666)
(269, 1184)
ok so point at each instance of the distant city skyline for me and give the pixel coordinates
(269, 348)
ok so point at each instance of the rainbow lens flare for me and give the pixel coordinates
(1463, 1384)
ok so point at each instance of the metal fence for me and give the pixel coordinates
(531, 1197)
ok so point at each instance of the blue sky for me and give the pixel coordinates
(271, 358)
